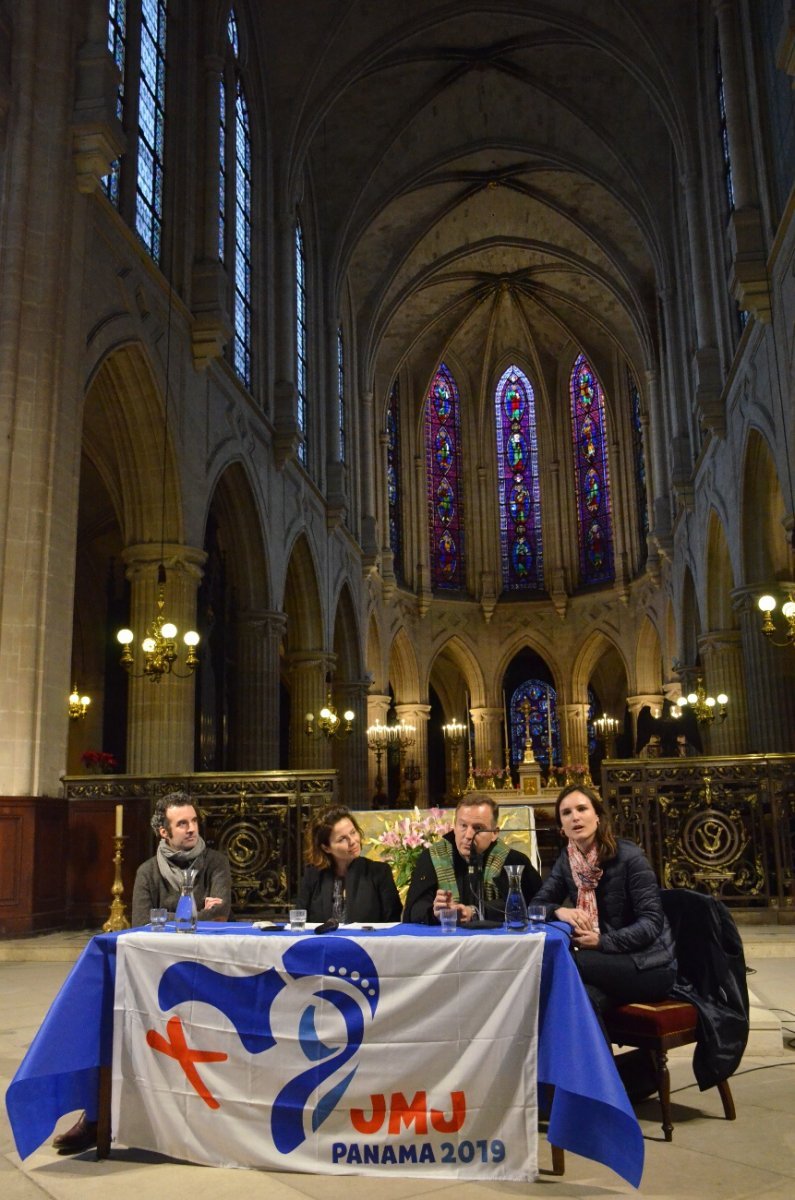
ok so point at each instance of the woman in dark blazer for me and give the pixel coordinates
(339, 882)
(605, 889)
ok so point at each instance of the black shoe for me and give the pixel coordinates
(82, 1136)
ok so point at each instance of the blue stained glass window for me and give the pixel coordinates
(442, 441)
(534, 706)
(639, 456)
(591, 475)
(517, 475)
(300, 338)
(242, 326)
(151, 126)
(117, 44)
(340, 395)
(223, 179)
(393, 478)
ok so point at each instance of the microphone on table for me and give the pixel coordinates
(475, 873)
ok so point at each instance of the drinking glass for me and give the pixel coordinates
(297, 918)
(448, 919)
(536, 915)
(157, 919)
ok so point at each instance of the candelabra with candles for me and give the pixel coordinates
(606, 729)
(454, 734)
(767, 605)
(705, 708)
(378, 739)
(403, 735)
(117, 917)
(329, 724)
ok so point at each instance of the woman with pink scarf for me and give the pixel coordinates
(605, 889)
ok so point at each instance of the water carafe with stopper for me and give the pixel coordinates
(185, 916)
(515, 907)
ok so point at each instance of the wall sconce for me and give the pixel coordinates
(766, 605)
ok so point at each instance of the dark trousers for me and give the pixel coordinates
(612, 979)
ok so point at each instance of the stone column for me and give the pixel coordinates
(258, 713)
(769, 678)
(721, 652)
(489, 747)
(160, 715)
(308, 670)
(350, 753)
(417, 715)
(574, 719)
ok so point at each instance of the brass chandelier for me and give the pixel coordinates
(705, 708)
(159, 644)
(329, 724)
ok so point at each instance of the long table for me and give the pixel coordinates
(590, 1113)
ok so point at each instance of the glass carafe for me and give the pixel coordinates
(515, 907)
(185, 916)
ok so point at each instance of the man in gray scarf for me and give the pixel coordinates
(157, 885)
(158, 880)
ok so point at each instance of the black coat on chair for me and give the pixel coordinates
(711, 976)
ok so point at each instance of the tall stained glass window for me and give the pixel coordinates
(117, 44)
(728, 181)
(442, 439)
(151, 127)
(340, 395)
(300, 339)
(393, 478)
(591, 475)
(517, 475)
(234, 199)
(639, 457)
(534, 707)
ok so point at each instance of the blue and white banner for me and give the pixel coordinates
(335, 1054)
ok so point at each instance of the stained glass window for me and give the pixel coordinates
(117, 44)
(534, 707)
(728, 181)
(639, 456)
(591, 475)
(300, 339)
(594, 711)
(517, 476)
(340, 395)
(393, 478)
(151, 126)
(442, 440)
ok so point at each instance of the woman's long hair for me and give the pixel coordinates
(605, 839)
(318, 834)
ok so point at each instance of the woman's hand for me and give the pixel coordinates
(579, 920)
(585, 939)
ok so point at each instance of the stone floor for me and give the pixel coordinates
(709, 1158)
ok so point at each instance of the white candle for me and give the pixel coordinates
(119, 819)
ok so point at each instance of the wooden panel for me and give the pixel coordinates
(33, 854)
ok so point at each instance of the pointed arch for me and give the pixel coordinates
(764, 547)
(648, 659)
(302, 602)
(719, 577)
(404, 673)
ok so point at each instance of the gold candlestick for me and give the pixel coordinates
(117, 917)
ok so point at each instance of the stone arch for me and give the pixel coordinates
(245, 553)
(302, 600)
(347, 654)
(403, 669)
(719, 576)
(764, 546)
(455, 671)
(599, 656)
(648, 659)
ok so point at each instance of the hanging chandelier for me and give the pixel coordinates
(159, 645)
(705, 708)
(78, 705)
(767, 605)
(329, 724)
